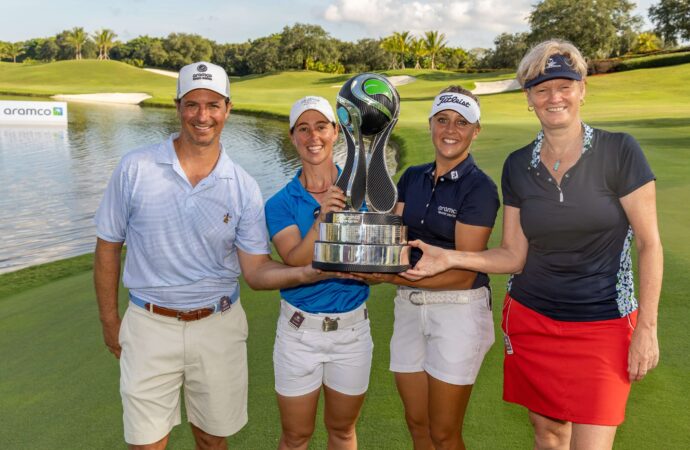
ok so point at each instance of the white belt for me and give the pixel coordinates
(302, 320)
(426, 297)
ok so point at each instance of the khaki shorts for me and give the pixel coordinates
(306, 358)
(207, 357)
(446, 340)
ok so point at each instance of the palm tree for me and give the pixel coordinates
(398, 44)
(401, 44)
(104, 41)
(434, 42)
(418, 51)
(12, 50)
(77, 37)
(388, 44)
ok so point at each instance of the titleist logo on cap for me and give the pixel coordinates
(452, 99)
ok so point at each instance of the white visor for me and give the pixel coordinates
(310, 102)
(466, 106)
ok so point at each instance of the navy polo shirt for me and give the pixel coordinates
(464, 194)
(578, 266)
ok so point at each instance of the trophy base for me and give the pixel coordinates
(363, 268)
(361, 257)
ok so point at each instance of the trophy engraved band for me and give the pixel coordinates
(373, 240)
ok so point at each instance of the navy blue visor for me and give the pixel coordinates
(557, 66)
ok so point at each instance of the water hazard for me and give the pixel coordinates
(52, 178)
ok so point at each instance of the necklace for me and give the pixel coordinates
(317, 192)
(557, 163)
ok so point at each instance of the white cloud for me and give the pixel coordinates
(466, 23)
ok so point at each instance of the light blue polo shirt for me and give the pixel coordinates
(181, 240)
(293, 205)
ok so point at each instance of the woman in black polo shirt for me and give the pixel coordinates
(443, 325)
(574, 198)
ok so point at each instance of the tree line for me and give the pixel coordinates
(600, 28)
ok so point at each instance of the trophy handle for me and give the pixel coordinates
(353, 179)
(357, 188)
(343, 180)
(381, 191)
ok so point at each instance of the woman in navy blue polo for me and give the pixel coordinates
(443, 325)
(574, 198)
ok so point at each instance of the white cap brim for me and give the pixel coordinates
(464, 105)
(308, 103)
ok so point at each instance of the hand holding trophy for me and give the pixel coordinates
(374, 240)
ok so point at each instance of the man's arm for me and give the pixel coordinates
(106, 278)
(262, 273)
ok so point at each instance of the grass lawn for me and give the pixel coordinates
(59, 386)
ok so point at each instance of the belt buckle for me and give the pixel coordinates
(329, 324)
(412, 298)
(180, 315)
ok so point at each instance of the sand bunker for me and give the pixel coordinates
(495, 87)
(399, 80)
(130, 98)
(167, 73)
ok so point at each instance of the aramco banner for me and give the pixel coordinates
(38, 113)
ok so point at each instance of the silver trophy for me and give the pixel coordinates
(376, 240)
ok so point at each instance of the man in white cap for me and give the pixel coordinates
(192, 220)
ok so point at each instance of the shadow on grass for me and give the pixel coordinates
(426, 76)
(337, 79)
(444, 76)
(661, 122)
(256, 76)
(425, 98)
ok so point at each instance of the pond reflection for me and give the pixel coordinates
(52, 178)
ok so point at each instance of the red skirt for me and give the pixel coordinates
(573, 371)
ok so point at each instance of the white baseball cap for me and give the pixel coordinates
(310, 102)
(203, 75)
(464, 105)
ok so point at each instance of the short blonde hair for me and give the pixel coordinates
(534, 62)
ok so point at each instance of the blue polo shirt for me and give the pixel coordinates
(579, 265)
(464, 194)
(293, 205)
(182, 240)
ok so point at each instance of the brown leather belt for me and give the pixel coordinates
(190, 315)
(185, 316)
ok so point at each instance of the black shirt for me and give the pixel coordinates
(464, 194)
(578, 265)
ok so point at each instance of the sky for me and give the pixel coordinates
(466, 23)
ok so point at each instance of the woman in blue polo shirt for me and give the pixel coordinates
(323, 336)
(574, 198)
(443, 325)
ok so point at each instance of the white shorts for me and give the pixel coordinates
(307, 357)
(161, 354)
(446, 340)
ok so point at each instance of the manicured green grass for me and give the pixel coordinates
(84, 77)
(59, 388)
